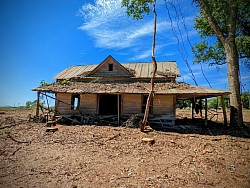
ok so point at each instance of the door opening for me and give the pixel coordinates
(108, 104)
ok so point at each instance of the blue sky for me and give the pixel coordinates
(38, 39)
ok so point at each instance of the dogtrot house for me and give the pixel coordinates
(119, 90)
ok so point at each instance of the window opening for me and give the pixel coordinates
(75, 102)
(110, 67)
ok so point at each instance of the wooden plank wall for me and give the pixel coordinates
(103, 71)
(63, 108)
(164, 105)
(88, 103)
(131, 104)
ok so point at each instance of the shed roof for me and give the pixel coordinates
(139, 70)
(181, 90)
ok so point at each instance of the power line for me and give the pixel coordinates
(187, 36)
(178, 44)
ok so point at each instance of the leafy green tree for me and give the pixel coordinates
(245, 97)
(228, 23)
(216, 102)
(137, 8)
(183, 104)
(31, 104)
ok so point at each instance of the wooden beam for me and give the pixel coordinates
(193, 106)
(205, 111)
(224, 109)
(38, 103)
(118, 108)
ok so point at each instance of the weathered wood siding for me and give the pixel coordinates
(131, 104)
(164, 105)
(61, 107)
(88, 103)
(103, 70)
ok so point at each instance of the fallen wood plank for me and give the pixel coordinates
(113, 137)
(21, 142)
(51, 129)
(51, 123)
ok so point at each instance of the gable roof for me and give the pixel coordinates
(138, 70)
(101, 69)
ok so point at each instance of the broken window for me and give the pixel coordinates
(144, 103)
(75, 102)
(110, 67)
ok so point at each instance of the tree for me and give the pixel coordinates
(183, 104)
(30, 104)
(216, 102)
(245, 97)
(137, 8)
(227, 21)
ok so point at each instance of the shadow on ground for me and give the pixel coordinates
(197, 126)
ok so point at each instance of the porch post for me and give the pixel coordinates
(205, 111)
(118, 108)
(193, 106)
(224, 109)
(38, 103)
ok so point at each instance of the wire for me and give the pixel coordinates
(205, 76)
(187, 36)
(178, 41)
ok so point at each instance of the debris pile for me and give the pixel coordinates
(133, 121)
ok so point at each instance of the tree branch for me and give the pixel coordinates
(213, 24)
(232, 19)
(151, 94)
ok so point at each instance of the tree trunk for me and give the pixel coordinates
(151, 94)
(236, 118)
(232, 57)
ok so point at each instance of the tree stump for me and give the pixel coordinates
(150, 141)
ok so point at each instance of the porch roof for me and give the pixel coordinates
(181, 90)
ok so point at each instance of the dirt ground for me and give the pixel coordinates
(106, 156)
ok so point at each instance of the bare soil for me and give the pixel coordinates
(106, 156)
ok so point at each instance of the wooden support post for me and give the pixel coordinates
(38, 103)
(224, 109)
(118, 109)
(205, 111)
(193, 106)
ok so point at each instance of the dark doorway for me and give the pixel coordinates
(108, 104)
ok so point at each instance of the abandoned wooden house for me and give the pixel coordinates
(111, 88)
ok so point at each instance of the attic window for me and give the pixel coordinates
(110, 67)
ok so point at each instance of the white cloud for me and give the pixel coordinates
(245, 77)
(146, 54)
(107, 23)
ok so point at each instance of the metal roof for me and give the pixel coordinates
(139, 70)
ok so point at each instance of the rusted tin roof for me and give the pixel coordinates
(139, 70)
(182, 90)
